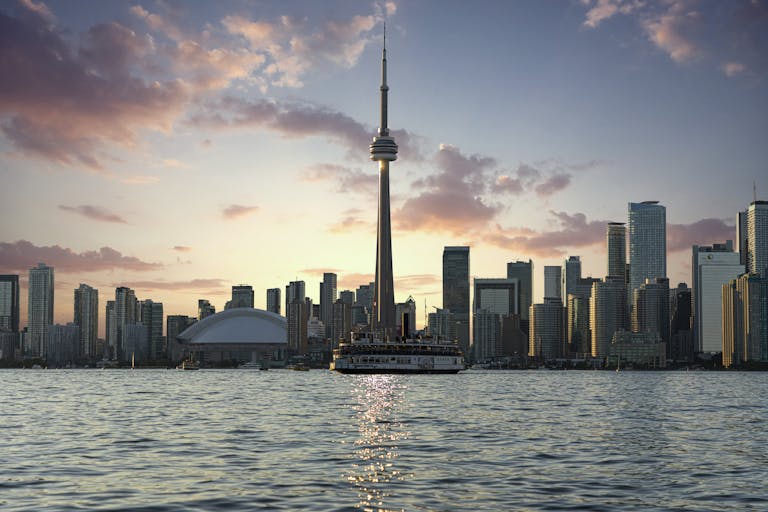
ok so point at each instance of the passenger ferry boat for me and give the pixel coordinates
(365, 354)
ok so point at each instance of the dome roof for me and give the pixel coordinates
(238, 326)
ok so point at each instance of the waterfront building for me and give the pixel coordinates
(745, 320)
(9, 302)
(136, 342)
(328, 296)
(273, 300)
(757, 238)
(712, 267)
(152, 318)
(647, 243)
(406, 311)
(204, 309)
(175, 325)
(40, 309)
(523, 272)
(242, 297)
(110, 317)
(62, 345)
(86, 317)
(607, 313)
(342, 321)
(295, 291)
(742, 247)
(546, 332)
(126, 312)
(347, 296)
(497, 297)
(632, 348)
(681, 336)
(441, 324)
(616, 241)
(297, 317)
(315, 330)
(456, 291)
(577, 324)
(9, 344)
(553, 282)
(650, 308)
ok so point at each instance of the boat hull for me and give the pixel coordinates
(401, 371)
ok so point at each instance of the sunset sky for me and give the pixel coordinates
(179, 148)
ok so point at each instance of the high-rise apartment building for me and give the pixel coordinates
(553, 283)
(647, 243)
(341, 323)
(110, 317)
(757, 238)
(681, 336)
(175, 325)
(297, 316)
(745, 320)
(273, 300)
(456, 291)
(571, 276)
(328, 296)
(242, 297)
(499, 298)
(126, 312)
(711, 268)
(577, 325)
(741, 236)
(204, 309)
(406, 311)
(607, 313)
(523, 272)
(545, 338)
(86, 317)
(616, 241)
(62, 344)
(152, 318)
(40, 309)
(9, 302)
(295, 291)
(650, 308)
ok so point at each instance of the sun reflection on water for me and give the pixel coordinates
(378, 406)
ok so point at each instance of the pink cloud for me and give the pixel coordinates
(194, 285)
(22, 255)
(345, 179)
(351, 221)
(352, 280)
(680, 237)
(94, 213)
(236, 211)
(553, 184)
(182, 248)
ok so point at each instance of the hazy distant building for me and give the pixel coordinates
(745, 320)
(742, 247)
(643, 349)
(441, 324)
(328, 295)
(9, 302)
(273, 300)
(126, 312)
(577, 325)
(40, 309)
(341, 326)
(616, 241)
(297, 316)
(62, 345)
(492, 297)
(680, 336)
(110, 317)
(647, 243)
(456, 291)
(523, 272)
(242, 297)
(607, 314)
(553, 283)
(406, 311)
(175, 325)
(136, 342)
(86, 316)
(296, 290)
(315, 330)
(152, 318)
(546, 329)
(204, 309)
(711, 268)
(9, 344)
(347, 296)
(757, 238)
(650, 308)
(571, 276)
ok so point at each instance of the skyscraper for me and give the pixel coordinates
(493, 300)
(607, 313)
(647, 243)
(456, 291)
(110, 318)
(9, 302)
(680, 336)
(523, 272)
(571, 276)
(553, 283)
(650, 311)
(757, 238)
(40, 309)
(546, 333)
(328, 294)
(745, 320)
(126, 312)
(273, 300)
(741, 236)
(87, 319)
(384, 150)
(406, 310)
(616, 240)
(295, 291)
(711, 268)
(242, 297)
(152, 318)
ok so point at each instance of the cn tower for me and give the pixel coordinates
(384, 150)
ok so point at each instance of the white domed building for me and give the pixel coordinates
(237, 335)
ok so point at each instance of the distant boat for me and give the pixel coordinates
(299, 367)
(188, 364)
(250, 365)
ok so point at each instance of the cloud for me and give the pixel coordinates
(671, 31)
(352, 280)
(553, 184)
(409, 282)
(319, 271)
(236, 211)
(345, 179)
(733, 68)
(182, 248)
(351, 221)
(22, 255)
(66, 103)
(138, 179)
(299, 120)
(451, 198)
(680, 237)
(94, 213)
(194, 285)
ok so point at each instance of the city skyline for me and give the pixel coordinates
(252, 143)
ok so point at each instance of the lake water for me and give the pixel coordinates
(281, 440)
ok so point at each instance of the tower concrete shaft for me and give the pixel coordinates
(383, 150)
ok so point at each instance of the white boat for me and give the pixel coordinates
(188, 364)
(250, 365)
(365, 354)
